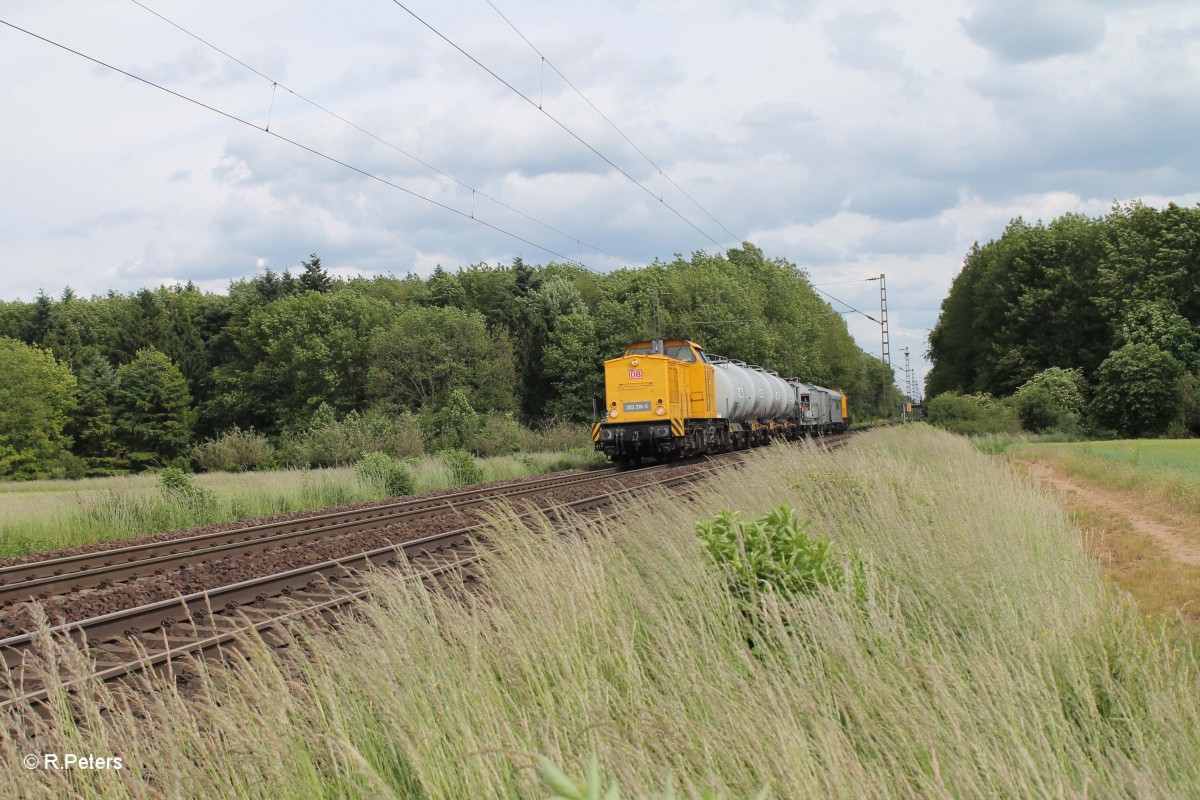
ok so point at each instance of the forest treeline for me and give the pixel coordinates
(307, 369)
(1084, 323)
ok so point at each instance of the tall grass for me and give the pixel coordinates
(56, 514)
(985, 657)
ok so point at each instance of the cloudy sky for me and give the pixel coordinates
(852, 138)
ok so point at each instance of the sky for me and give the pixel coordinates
(850, 138)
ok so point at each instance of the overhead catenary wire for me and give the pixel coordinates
(555, 120)
(847, 305)
(275, 84)
(895, 367)
(294, 143)
(662, 173)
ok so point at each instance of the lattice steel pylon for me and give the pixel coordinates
(908, 378)
(883, 322)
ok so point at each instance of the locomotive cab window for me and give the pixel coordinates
(681, 352)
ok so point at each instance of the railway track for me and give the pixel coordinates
(40, 580)
(156, 635)
(163, 633)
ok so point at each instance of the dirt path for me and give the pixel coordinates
(1178, 540)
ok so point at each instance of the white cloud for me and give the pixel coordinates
(850, 138)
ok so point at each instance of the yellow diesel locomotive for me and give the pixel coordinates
(668, 398)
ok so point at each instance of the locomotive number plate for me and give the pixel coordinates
(635, 374)
(637, 406)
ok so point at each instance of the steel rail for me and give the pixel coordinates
(200, 610)
(42, 579)
(230, 637)
(304, 591)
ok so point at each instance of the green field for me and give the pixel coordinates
(1171, 455)
(1166, 470)
(53, 514)
(972, 649)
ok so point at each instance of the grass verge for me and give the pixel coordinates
(1128, 493)
(50, 515)
(1163, 471)
(984, 656)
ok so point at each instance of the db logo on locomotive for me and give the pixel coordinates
(635, 374)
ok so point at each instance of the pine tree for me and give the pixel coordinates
(154, 415)
(93, 425)
(315, 278)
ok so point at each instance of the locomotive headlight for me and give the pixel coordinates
(660, 411)
(612, 413)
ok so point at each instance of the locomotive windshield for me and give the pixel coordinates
(679, 352)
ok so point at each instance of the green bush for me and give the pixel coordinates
(557, 434)
(462, 466)
(775, 554)
(235, 450)
(972, 414)
(1188, 423)
(382, 472)
(1138, 390)
(500, 435)
(1052, 400)
(454, 426)
(1066, 387)
(1039, 411)
(172, 480)
(70, 466)
(329, 442)
(183, 500)
(398, 435)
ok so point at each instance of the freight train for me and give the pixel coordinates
(667, 399)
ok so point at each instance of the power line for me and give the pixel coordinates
(294, 143)
(831, 283)
(847, 305)
(555, 120)
(335, 115)
(203, 41)
(895, 367)
(605, 117)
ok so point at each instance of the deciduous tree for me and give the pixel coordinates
(297, 353)
(36, 395)
(427, 353)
